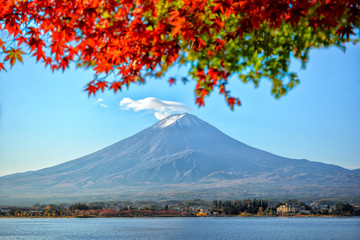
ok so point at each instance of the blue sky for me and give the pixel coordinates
(46, 118)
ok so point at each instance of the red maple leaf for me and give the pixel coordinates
(91, 88)
(101, 85)
(64, 63)
(116, 86)
(200, 101)
(172, 81)
(2, 66)
(48, 61)
(232, 101)
(345, 31)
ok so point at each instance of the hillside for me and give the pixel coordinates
(180, 157)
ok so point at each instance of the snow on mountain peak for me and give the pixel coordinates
(170, 120)
(180, 120)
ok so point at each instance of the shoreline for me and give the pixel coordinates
(231, 216)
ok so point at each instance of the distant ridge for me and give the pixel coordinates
(180, 157)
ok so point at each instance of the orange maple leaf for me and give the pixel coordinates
(13, 55)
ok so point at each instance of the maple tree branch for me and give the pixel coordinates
(219, 38)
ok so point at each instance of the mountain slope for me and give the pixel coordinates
(180, 153)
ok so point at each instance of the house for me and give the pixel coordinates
(289, 209)
(4, 210)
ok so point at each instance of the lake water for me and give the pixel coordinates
(181, 228)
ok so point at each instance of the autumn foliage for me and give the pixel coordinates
(125, 41)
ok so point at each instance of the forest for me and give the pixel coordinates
(190, 208)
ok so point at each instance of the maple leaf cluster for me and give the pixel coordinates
(133, 39)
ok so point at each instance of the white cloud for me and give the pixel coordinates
(160, 108)
(100, 102)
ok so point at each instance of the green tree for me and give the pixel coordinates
(10, 213)
(344, 208)
(78, 206)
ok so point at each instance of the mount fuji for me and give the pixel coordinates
(180, 157)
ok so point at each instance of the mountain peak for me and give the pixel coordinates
(181, 120)
(170, 120)
(180, 156)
